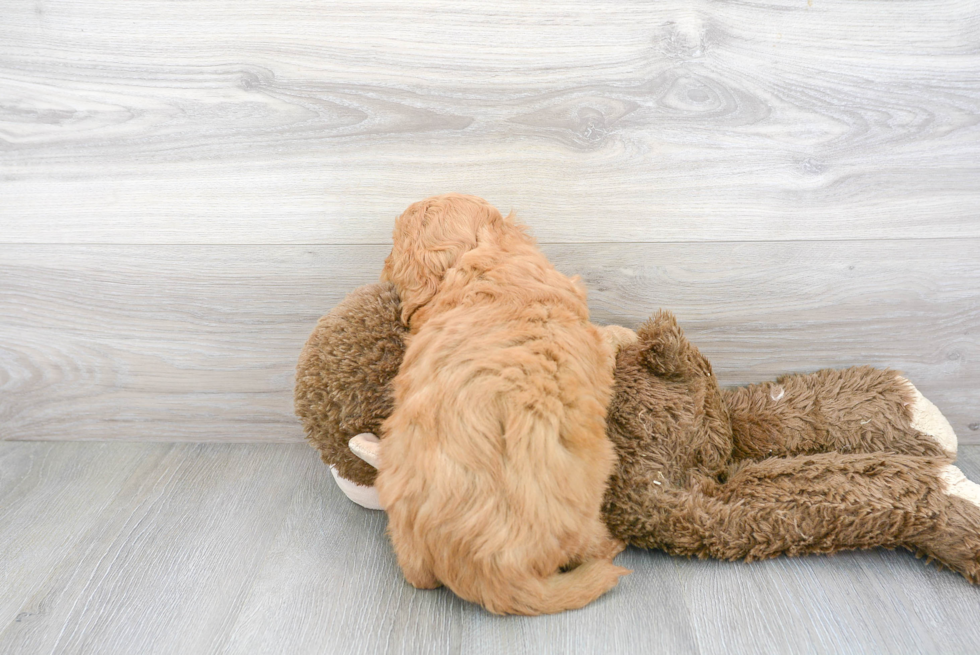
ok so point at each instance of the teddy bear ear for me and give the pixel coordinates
(662, 345)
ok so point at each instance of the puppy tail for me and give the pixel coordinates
(559, 592)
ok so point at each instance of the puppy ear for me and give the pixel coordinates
(408, 267)
(429, 238)
(416, 283)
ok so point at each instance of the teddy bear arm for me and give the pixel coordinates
(367, 447)
(856, 410)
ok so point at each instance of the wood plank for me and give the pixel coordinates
(252, 548)
(666, 121)
(331, 584)
(165, 566)
(178, 343)
(51, 496)
(200, 343)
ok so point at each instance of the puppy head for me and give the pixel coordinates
(429, 238)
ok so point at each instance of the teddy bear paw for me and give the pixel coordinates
(367, 446)
(364, 496)
(957, 484)
(927, 419)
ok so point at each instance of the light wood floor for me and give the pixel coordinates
(250, 548)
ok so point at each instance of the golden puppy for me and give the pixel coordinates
(495, 459)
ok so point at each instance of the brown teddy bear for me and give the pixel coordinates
(833, 460)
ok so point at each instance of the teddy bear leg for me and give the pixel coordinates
(854, 410)
(957, 543)
(929, 421)
(812, 504)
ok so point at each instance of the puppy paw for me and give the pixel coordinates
(422, 579)
(617, 336)
(927, 419)
(608, 548)
(957, 484)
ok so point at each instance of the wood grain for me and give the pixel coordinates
(251, 548)
(200, 343)
(164, 567)
(626, 121)
(52, 496)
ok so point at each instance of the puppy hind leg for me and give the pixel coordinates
(412, 560)
(603, 545)
(608, 548)
(416, 571)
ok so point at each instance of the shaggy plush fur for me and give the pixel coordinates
(859, 409)
(810, 463)
(344, 375)
(495, 457)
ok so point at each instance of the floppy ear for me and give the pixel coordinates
(406, 266)
(429, 238)
(415, 280)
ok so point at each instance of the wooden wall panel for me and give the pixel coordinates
(185, 188)
(200, 343)
(146, 122)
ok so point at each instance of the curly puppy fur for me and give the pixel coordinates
(344, 375)
(495, 458)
